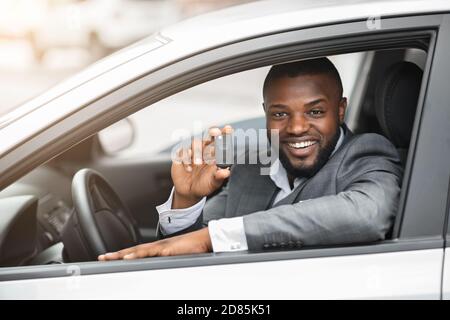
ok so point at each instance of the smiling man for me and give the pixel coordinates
(332, 187)
(306, 105)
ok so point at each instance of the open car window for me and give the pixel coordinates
(239, 105)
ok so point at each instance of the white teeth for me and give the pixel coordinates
(302, 144)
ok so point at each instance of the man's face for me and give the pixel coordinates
(307, 110)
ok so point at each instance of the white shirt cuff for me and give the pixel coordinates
(228, 235)
(174, 220)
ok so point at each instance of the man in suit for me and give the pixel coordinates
(327, 186)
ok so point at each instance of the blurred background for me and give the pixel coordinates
(45, 41)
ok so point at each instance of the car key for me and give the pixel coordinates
(224, 151)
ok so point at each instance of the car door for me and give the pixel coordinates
(446, 269)
(442, 120)
(407, 266)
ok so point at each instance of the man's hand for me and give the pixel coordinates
(193, 242)
(195, 174)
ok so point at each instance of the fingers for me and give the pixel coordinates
(137, 252)
(221, 174)
(212, 133)
(200, 151)
(209, 154)
(183, 157)
(116, 255)
(209, 147)
(191, 156)
(197, 152)
(227, 129)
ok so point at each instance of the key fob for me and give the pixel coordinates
(224, 151)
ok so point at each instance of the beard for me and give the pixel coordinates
(323, 155)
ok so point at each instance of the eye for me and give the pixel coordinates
(279, 114)
(316, 112)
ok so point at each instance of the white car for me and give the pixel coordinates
(400, 89)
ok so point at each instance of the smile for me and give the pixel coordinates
(301, 145)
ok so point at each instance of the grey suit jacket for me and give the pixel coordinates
(353, 198)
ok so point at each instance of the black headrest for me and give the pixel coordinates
(396, 101)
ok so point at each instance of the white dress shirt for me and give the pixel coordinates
(226, 234)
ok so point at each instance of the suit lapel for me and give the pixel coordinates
(291, 198)
(258, 195)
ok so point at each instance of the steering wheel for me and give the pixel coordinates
(100, 222)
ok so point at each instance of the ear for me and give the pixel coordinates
(341, 109)
(264, 107)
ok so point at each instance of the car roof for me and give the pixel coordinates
(258, 17)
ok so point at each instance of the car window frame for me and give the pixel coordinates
(393, 27)
(447, 223)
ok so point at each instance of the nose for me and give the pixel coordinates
(297, 125)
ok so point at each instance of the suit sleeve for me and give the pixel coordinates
(369, 178)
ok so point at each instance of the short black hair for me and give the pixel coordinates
(304, 67)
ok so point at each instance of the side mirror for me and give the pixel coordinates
(117, 137)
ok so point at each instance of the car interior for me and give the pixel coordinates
(53, 221)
